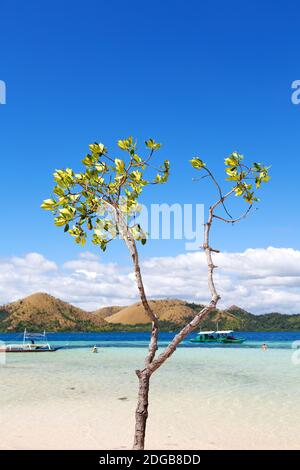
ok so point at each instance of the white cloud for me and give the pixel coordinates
(34, 261)
(259, 280)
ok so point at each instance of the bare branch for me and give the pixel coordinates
(171, 348)
(215, 297)
(219, 189)
(233, 221)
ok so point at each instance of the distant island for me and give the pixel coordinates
(42, 311)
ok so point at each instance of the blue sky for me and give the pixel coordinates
(203, 78)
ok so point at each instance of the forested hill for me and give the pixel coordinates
(238, 319)
(41, 311)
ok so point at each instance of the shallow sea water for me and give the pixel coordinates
(201, 398)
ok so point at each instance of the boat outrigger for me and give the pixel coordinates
(32, 342)
(225, 337)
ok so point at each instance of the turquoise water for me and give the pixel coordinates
(203, 397)
(277, 340)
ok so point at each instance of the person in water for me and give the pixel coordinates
(95, 349)
(264, 347)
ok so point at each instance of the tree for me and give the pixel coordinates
(244, 181)
(94, 192)
(103, 200)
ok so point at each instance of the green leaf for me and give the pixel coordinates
(230, 161)
(239, 191)
(248, 197)
(48, 204)
(101, 167)
(257, 166)
(264, 176)
(88, 160)
(136, 175)
(136, 158)
(166, 165)
(122, 144)
(151, 144)
(59, 221)
(232, 173)
(197, 163)
(67, 212)
(97, 148)
(125, 144)
(120, 165)
(58, 191)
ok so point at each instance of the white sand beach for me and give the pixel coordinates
(202, 399)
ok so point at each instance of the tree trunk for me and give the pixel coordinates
(152, 363)
(141, 412)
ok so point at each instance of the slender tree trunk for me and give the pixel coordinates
(141, 412)
(152, 363)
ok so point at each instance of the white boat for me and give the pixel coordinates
(32, 342)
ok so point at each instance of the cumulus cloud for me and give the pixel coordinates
(258, 280)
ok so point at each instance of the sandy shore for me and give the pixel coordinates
(101, 425)
(82, 401)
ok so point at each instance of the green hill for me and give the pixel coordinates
(42, 311)
(236, 318)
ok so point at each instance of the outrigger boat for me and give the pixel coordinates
(225, 337)
(32, 342)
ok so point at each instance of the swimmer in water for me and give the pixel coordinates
(264, 347)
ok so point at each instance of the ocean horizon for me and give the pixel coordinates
(68, 340)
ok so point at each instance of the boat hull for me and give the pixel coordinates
(27, 350)
(223, 341)
(195, 340)
(233, 341)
